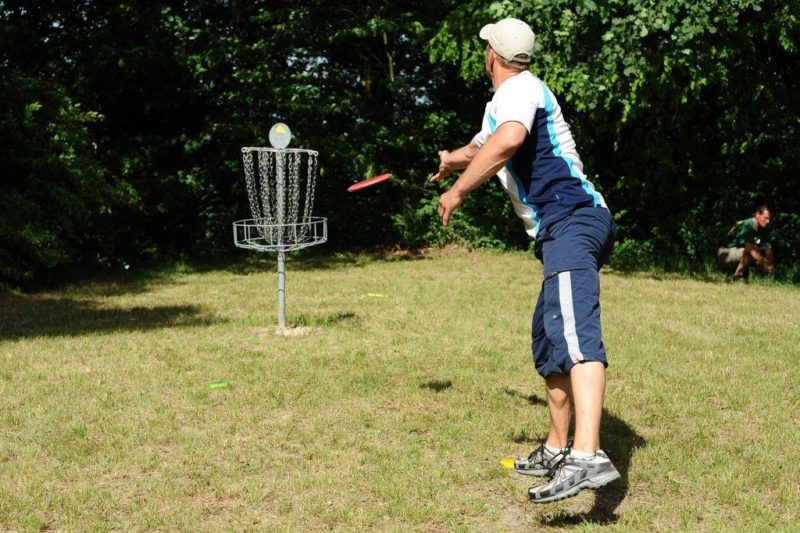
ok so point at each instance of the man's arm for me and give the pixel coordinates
(484, 164)
(764, 260)
(458, 159)
(753, 251)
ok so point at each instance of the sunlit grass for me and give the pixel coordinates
(394, 412)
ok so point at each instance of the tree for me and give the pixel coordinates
(682, 110)
(122, 122)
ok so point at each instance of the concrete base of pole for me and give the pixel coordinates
(299, 331)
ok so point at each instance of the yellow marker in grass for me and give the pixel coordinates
(377, 295)
(508, 462)
(219, 384)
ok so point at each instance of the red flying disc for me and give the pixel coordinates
(369, 182)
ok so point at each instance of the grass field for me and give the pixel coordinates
(394, 412)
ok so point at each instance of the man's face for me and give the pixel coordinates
(763, 218)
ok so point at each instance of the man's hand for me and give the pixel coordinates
(479, 164)
(449, 202)
(445, 166)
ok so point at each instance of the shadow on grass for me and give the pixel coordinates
(105, 284)
(532, 399)
(522, 436)
(37, 316)
(345, 317)
(437, 385)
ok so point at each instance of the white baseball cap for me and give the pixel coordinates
(512, 39)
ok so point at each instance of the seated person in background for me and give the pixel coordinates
(748, 243)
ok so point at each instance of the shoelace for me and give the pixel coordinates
(545, 452)
(532, 455)
(556, 467)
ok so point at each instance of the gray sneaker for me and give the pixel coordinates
(539, 461)
(571, 475)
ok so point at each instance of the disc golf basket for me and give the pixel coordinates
(280, 188)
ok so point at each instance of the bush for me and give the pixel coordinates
(630, 255)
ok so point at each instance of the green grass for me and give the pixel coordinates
(393, 413)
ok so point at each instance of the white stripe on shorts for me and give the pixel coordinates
(568, 315)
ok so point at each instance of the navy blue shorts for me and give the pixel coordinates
(566, 322)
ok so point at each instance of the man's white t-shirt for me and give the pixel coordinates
(546, 174)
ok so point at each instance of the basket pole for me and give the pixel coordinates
(281, 290)
(270, 207)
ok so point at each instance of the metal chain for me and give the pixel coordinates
(280, 195)
(310, 186)
(262, 192)
(293, 191)
(252, 194)
(266, 164)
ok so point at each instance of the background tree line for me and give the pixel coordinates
(121, 122)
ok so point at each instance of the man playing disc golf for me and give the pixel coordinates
(525, 141)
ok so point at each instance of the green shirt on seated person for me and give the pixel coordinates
(747, 232)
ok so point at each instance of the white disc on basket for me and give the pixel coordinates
(280, 135)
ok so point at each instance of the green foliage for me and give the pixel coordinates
(786, 236)
(122, 122)
(684, 112)
(55, 196)
(630, 255)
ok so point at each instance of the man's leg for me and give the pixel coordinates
(745, 261)
(548, 454)
(728, 259)
(574, 326)
(559, 402)
(572, 322)
(586, 465)
(559, 396)
(588, 382)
